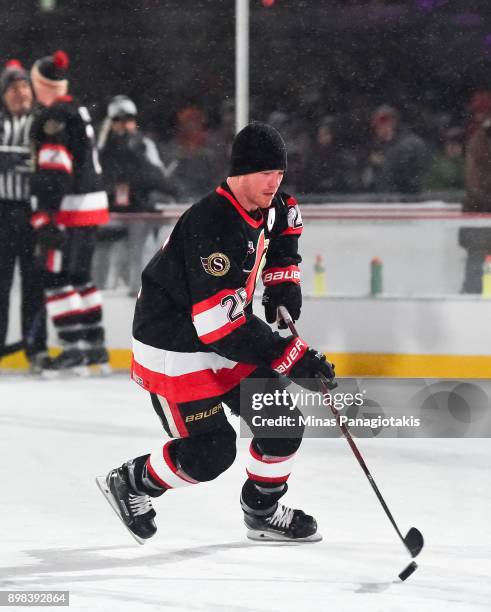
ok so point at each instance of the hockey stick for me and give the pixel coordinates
(413, 541)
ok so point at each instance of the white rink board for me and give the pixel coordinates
(450, 326)
(59, 532)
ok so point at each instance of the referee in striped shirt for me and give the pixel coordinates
(16, 234)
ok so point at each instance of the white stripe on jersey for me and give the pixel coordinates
(173, 363)
(86, 201)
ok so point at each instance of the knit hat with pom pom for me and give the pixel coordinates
(13, 71)
(51, 71)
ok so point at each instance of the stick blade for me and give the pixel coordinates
(414, 541)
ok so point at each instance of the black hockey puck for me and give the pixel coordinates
(412, 567)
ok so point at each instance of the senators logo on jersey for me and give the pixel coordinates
(216, 264)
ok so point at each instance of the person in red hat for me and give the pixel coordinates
(71, 203)
(397, 158)
(16, 233)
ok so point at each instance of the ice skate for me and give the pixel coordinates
(98, 357)
(134, 509)
(71, 360)
(39, 362)
(283, 525)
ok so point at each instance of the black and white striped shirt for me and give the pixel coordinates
(15, 157)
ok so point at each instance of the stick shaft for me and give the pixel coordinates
(325, 391)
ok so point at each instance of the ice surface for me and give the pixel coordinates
(58, 532)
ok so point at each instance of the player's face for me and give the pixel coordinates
(18, 98)
(260, 187)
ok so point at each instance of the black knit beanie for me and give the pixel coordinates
(256, 148)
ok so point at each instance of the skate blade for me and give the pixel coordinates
(75, 372)
(269, 536)
(49, 374)
(101, 369)
(102, 484)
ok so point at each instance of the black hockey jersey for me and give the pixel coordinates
(68, 178)
(197, 292)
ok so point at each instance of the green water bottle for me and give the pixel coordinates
(376, 279)
(319, 277)
(47, 5)
(486, 277)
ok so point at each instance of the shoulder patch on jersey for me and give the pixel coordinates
(51, 127)
(216, 264)
(294, 217)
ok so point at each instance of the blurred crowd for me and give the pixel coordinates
(389, 157)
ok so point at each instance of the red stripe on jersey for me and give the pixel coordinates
(242, 211)
(55, 166)
(251, 282)
(81, 218)
(291, 231)
(223, 331)
(291, 201)
(210, 302)
(198, 385)
(179, 423)
(60, 99)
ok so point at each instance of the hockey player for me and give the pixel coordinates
(16, 233)
(196, 338)
(71, 203)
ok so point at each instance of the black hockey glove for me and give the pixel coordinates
(311, 365)
(48, 235)
(282, 288)
(303, 365)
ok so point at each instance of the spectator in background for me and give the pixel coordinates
(477, 240)
(397, 158)
(446, 171)
(16, 234)
(133, 170)
(189, 155)
(479, 109)
(135, 182)
(328, 167)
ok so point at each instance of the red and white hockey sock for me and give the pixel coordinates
(165, 472)
(63, 304)
(268, 468)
